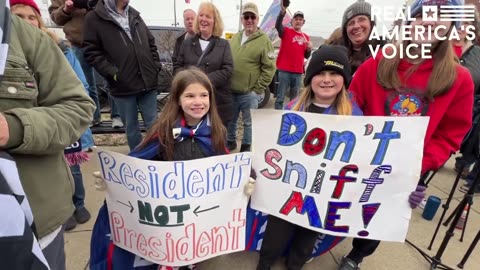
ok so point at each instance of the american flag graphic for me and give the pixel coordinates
(449, 13)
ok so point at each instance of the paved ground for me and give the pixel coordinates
(388, 256)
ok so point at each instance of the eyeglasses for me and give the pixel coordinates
(247, 17)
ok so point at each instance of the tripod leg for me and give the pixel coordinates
(465, 224)
(452, 215)
(469, 251)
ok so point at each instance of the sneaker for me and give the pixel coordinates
(81, 215)
(117, 122)
(464, 188)
(348, 264)
(70, 224)
(309, 260)
(96, 123)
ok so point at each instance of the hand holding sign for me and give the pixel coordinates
(99, 181)
(417, 196)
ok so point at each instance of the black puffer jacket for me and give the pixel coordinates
(108, 48)
(217, 63)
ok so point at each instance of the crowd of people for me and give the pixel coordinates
(44, 119)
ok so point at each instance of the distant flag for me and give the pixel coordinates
(269, 19)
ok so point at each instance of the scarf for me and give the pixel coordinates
(201, 133)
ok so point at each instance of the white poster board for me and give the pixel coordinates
(340, 175)
(177, 213)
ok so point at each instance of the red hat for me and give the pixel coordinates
(27, 3)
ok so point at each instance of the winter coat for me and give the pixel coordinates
(72, 23)
(130, 66)
(217, 63)
(47, 109)
(254, 63)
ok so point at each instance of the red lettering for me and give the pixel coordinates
(295, 201)
(271, 155)
(342, 179)
(314, 142)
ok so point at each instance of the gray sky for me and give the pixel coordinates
(322, 16)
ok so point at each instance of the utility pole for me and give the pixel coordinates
(175, 24)
(240, 16)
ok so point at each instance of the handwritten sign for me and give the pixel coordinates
(340, 175)
(177, 213)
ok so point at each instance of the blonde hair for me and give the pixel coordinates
(162, 129)
(441, 78)
(217, 19)
(342, 103)
(41, 23)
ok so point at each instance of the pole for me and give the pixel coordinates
(240, 16)
(175, 13)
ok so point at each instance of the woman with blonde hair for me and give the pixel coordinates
(211, 54)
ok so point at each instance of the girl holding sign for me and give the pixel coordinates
(326, 81)
(436, 86)
(188, 128)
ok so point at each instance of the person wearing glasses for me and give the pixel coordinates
(295, 47)
(253, 70)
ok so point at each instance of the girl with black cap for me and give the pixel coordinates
(326, 82)
(436, 86)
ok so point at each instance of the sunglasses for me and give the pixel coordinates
(247, 17)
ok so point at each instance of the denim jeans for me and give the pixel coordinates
(92, 87)
(287, 80)
(79, 194)
(242, 103)
(114, 113)
(128, 107)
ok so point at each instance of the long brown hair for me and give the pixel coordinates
(441, 79)
(162, 129)
(342, 103)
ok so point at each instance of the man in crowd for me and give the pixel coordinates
(294, 48)
(253, 70)
(119, 45)
(71, 15)
(43, 109)
(188, 19)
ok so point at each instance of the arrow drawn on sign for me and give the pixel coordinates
(196, 211)
(127, 205)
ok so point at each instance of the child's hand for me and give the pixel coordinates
(249, 187)
(99, 181)
(417, 196)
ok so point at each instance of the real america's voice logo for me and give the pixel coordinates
(422, 34)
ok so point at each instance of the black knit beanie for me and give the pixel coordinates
(358, 8)
(329, 57)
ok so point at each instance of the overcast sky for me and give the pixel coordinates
(322, 16)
